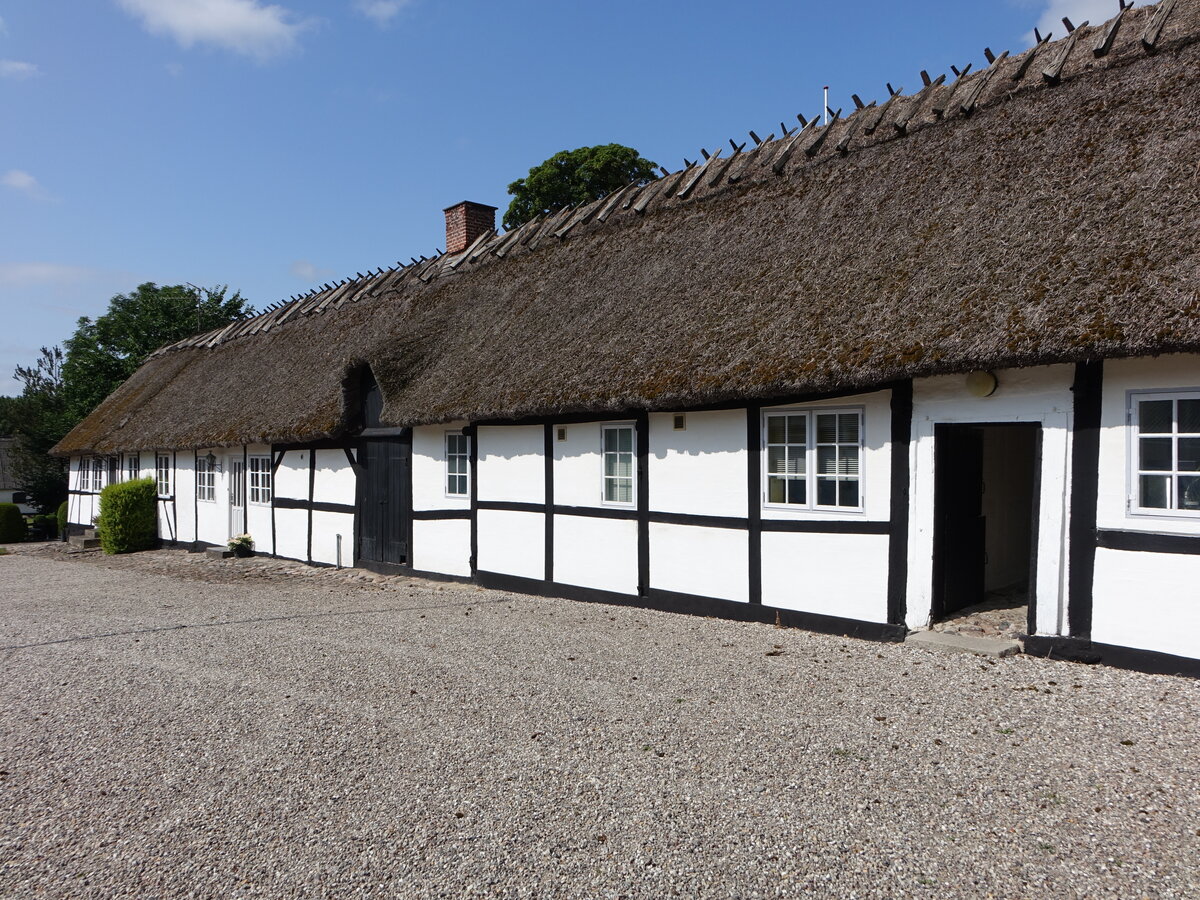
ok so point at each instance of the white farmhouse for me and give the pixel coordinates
(849, 378)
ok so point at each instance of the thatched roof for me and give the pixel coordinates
(1041, 210)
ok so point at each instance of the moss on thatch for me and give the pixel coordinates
(1054, 223)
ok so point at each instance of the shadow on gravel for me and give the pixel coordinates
(254, 621)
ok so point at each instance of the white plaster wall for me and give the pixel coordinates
(1178, 371)
(443, 545)
(326, 526)
(335, 480)
(291, 478)
(876, 484)
(291, 533)
(578, 468)
(512, 543)
(707, 562)
(258, 515)
(830, 574)
(1150, 601)
(1039, 394)
(596, 553)
(700, 470)
(185, 495)
(429, 468)
(510, 466)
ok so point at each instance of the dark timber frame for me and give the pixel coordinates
(1085, 478)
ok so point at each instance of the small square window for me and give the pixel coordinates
(679, 422)
(1165, 453)
(560, 433)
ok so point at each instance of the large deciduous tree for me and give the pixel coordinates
(572, 177)
(39, 419)
(104, 351)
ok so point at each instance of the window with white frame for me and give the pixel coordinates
(260, 479)
(85, 474)
(618, 453)
(458, 458)
(133, 467)
(813, 458)
(1166, 452)
(162, 474)
(206, 479)
(97, 473)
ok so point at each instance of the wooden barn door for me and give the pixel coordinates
(385, 500)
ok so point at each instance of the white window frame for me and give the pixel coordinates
(99, 469)
(206, 486)
(162, 474)
(260, 480)
(810, 459)
(464, 456)
(633, 465)
(85, 473)
(1133, 468)
(133, 466)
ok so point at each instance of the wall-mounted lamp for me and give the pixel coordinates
(981, 384)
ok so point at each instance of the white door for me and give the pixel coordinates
(237, 495)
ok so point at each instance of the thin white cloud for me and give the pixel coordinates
(22, 181)
(34, 274)
(247, 27)
(381, 12)
(16, 70)
(1078, 11)
(308, 271)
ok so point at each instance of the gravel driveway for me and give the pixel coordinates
(172, 726)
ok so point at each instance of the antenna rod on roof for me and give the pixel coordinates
(826, 105)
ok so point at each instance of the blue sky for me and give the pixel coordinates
(273, 146)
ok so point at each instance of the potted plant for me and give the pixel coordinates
(241, 545)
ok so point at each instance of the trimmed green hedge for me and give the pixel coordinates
(128, 519)
(62, 518)
(12, 524)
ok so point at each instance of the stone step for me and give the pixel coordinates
(218, 552)
(962, 643)
(82, 542)
(89, 533)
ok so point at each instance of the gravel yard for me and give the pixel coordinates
(176, 726)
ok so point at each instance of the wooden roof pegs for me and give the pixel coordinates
(907, 114)
(754, 137)
(843, 146)
(1153, 32)
(690, 184)
(989, 55)
(1109, 35)
(877, 119)
(858, 104)
(1052, 73)
(971, 98)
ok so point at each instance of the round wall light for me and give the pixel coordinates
(981, 384)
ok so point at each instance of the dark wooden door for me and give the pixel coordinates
(385, 500)
(959, 535)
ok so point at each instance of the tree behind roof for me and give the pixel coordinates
(572, 177)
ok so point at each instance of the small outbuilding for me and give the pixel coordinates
(853, 377)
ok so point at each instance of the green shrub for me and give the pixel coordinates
(128, 518)
(61, 517)
(43, 528)
(12, 523)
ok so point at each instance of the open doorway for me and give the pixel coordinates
(985, 530)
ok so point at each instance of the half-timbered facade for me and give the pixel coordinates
(852, 378)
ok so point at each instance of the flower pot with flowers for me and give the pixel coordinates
(241, 545)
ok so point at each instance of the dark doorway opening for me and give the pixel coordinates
(385, 499)
(985, 525)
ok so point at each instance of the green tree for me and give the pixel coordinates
(103, 352)
(40, 419)
(6, 412)
(572, 177)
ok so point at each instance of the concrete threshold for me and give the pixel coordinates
(961, 643)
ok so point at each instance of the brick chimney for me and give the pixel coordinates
(466, 221)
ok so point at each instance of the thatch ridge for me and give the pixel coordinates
(761, 252)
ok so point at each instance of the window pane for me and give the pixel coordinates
(1154, 490)
(826, 460)
(1189, 454)
(624, 491)
(796, 491)
(1189, 491)
(1189, 416)
(610, 440)
(624, 465)
(848, 461)
(776, 490)
(1154, 416)
(826, 492)
(626, 440)
(610, 464)
(826, 428)
(776, 460)
(776, 429)
(848, 428)
(1155, 455)
(797, 465)
(797, 429)
(848, 492)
